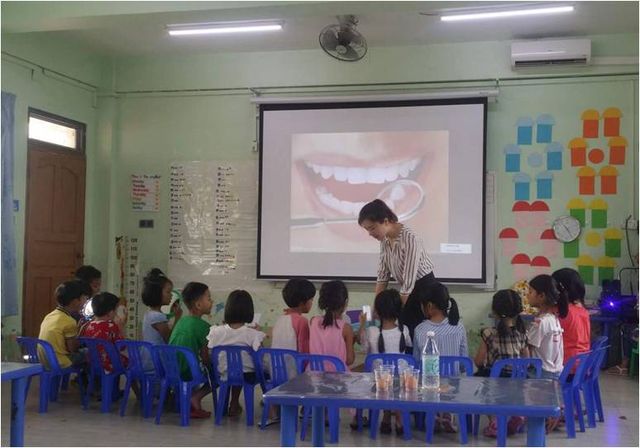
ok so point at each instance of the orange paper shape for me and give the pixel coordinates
(590, 120)
(612, 122)
(617, 149)
(608, 180)
(578, 148)
(586, 184)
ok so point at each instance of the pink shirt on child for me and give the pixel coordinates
(291, 331)
(327, 341)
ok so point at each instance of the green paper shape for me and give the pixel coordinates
(579, 214)
(572, 249)
(612, 248)
(605, 274)
(598, 219)
(586, 272)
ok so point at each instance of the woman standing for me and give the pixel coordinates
(402, 255)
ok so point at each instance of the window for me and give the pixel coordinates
(56, 130)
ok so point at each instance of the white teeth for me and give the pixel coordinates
(357, 175)
(344, 207)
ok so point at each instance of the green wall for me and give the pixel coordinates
(134, 132)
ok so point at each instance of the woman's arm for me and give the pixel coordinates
(347, 333)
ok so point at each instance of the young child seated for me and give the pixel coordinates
(191, 332)
(391, 337)
(238, 312)
(102, 325)
(156, 293)
(59, 328)
(291, 330)
(508, 339)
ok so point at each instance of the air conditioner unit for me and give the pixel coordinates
(550, 52)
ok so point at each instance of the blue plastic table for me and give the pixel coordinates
(18, 373)
(534, 399)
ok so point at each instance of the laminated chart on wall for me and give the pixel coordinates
(128, 284)
(213, 222)
(145, 192)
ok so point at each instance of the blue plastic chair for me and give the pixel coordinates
(451, 366)
(591, 386)
(374, 414)
(110, 381)
(234, 377)
(600, 342)
(274, 372)
(138, 351)
(571, 390)
(318, 363)
(52, 375)
(168, 359)
(519, 369)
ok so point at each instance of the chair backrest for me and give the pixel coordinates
(168, 358)
(234, 366)
(39, 351)
(138, 352)
(96, 348)
(319, 363)
(519, 367)
(594, 364)
(388, 359)
(451, 365)
(579, 364)
(599, 342)
(277, 362)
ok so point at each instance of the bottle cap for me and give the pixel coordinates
(431, 334)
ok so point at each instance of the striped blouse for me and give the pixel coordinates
(405, 260)
(450, 339)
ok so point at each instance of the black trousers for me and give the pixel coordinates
(412, 314)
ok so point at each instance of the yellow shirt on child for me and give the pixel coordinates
(55, 328)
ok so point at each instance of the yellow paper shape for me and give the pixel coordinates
(593, 239)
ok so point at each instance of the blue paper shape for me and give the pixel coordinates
(543, 184)
(525, 130)
(545, 124)
(554, 156)
(522, 182)
(512, 163)
(534, 160)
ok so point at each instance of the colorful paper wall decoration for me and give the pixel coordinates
(578, 148)
(525, 130)
(544, 129)
(598, 213)
(538, 211)
(522, 182)
(596, 156)
(587, 180)
(554, 156)
(592, 239)
(612, 242)
(617, 149)
(549, 243)
(521, 263)
(585, 266)
(612, 117)
(608, 180)
(590, 118)
(606, 267)
(509, 237)
(534, 160)
(577, 208)
(572, 249)
(544, 181)
(512, 158)
(540, 265)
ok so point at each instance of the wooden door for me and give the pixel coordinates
(54, 233)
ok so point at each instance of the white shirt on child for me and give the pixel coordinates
(545, 336)
(225, 335)
(391, 339)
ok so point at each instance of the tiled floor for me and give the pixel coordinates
(66, 424)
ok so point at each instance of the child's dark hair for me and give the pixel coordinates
(554, 293)
(438, 295)
(239, 308)
(332, 299)
(507, 304)
(192, 292)
(298, 291)
(376, 211)
(88, 273)
(388, 306)
(103, 303)
(67, 292)
(153, 284)
(572, 283)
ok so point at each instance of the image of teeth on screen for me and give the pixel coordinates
(320, 165)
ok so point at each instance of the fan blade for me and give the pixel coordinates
(350, 55)
(328, 39)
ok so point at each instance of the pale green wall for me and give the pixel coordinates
(143, 133)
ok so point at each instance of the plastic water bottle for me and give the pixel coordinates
(430, 363)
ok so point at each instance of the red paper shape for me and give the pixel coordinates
(586, 185)
(508, 233)
(590, 128)
(611, 126)
(608, 184)
(540, 261)
(578, 156)
(616, 155)
(548, 234)
(521, 259)
(596, 155)
(539, 206)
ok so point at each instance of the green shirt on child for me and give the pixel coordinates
(190, 332)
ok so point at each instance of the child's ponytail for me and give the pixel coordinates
(563, 300)
(453, 313)
(403, 343)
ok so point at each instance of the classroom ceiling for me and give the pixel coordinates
(138, 28)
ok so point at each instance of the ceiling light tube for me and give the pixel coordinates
(222, 28)
(502, 14)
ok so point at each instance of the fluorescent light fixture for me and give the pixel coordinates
(502, 14)
(192, 29)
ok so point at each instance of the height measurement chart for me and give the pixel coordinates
(205, 224)
(129, 291)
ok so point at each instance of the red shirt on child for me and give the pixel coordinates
(576, 335)
(107, 330)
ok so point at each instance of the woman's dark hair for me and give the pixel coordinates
(103, 303)
(571, 281)
(153, 284)
(192, 292)
(298, 291)
(388, 306)
(438, 295)
(333, 297)
(87, 273)
(376, 211)
(507, 304)
(239, 308)
(554, 293)
(67, 292)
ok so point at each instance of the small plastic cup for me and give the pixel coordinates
(381, 375)
(411, 379)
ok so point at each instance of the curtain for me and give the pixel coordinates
(9, 278)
